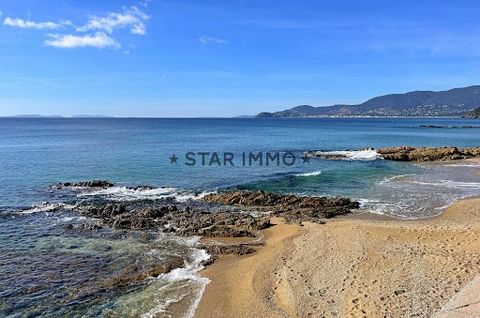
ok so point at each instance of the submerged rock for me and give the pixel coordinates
(137, 273)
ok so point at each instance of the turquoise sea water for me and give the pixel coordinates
(47, 270)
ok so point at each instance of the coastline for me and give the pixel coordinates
(350, 266)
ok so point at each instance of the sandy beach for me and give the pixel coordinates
(354, 266)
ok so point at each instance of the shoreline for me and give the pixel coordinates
(360, 266)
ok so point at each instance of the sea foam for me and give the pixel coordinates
(187, 273)
(362, 155)
(309, 174)
(135, 194)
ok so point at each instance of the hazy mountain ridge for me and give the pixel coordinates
(453, 102)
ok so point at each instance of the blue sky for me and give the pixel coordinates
(195, 58)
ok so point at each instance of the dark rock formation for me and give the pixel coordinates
(83, 226)
(86, 184)
(170, 219)
(217, 223)
(291, 207)
(142, 187)
(407, 153)
(217, 250)
(428, 154)
(226, 214)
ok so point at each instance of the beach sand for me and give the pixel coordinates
(355, 266)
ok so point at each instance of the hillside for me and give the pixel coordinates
(454, 102)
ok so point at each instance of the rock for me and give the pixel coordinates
(87, 184)
(223, 231)
(428, 154)
(219, 224)
(102, 211)
(83, 226)
(292, 208)
(142, 187)
(197, 219)
(216, 250)
(136, 274)
(168, 217)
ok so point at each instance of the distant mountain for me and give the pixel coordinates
(91, 116)
(454, 102)
(37, 116)
(473, 114)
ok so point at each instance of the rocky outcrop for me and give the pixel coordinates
(406, 153)
(226, 214)
(83, 227)
(400, 153)
(473, 114)
(86, 184)
(170, 219)
(291, 207)
(218, 223)
(217, 250)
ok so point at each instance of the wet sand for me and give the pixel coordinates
(356, 266)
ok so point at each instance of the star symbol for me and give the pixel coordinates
(305, 159)
(173, 159)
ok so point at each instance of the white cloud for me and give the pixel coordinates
(67, 41)
(98, 29)
(208, 39)
(131, 18)
(26, 24)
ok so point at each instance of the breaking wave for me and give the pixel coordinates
(309, 174)
(362, 155)
(136, 194)
(43, 207)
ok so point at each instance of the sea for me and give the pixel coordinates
(49, 270)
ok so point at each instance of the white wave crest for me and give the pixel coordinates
(362, 155)
(397, 178)
(132, 194)
(309, 174)
(46, 207)
(448, 184)
(189, 272)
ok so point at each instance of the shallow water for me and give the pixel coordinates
(51, 271)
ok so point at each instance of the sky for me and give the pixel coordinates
(220, 58)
